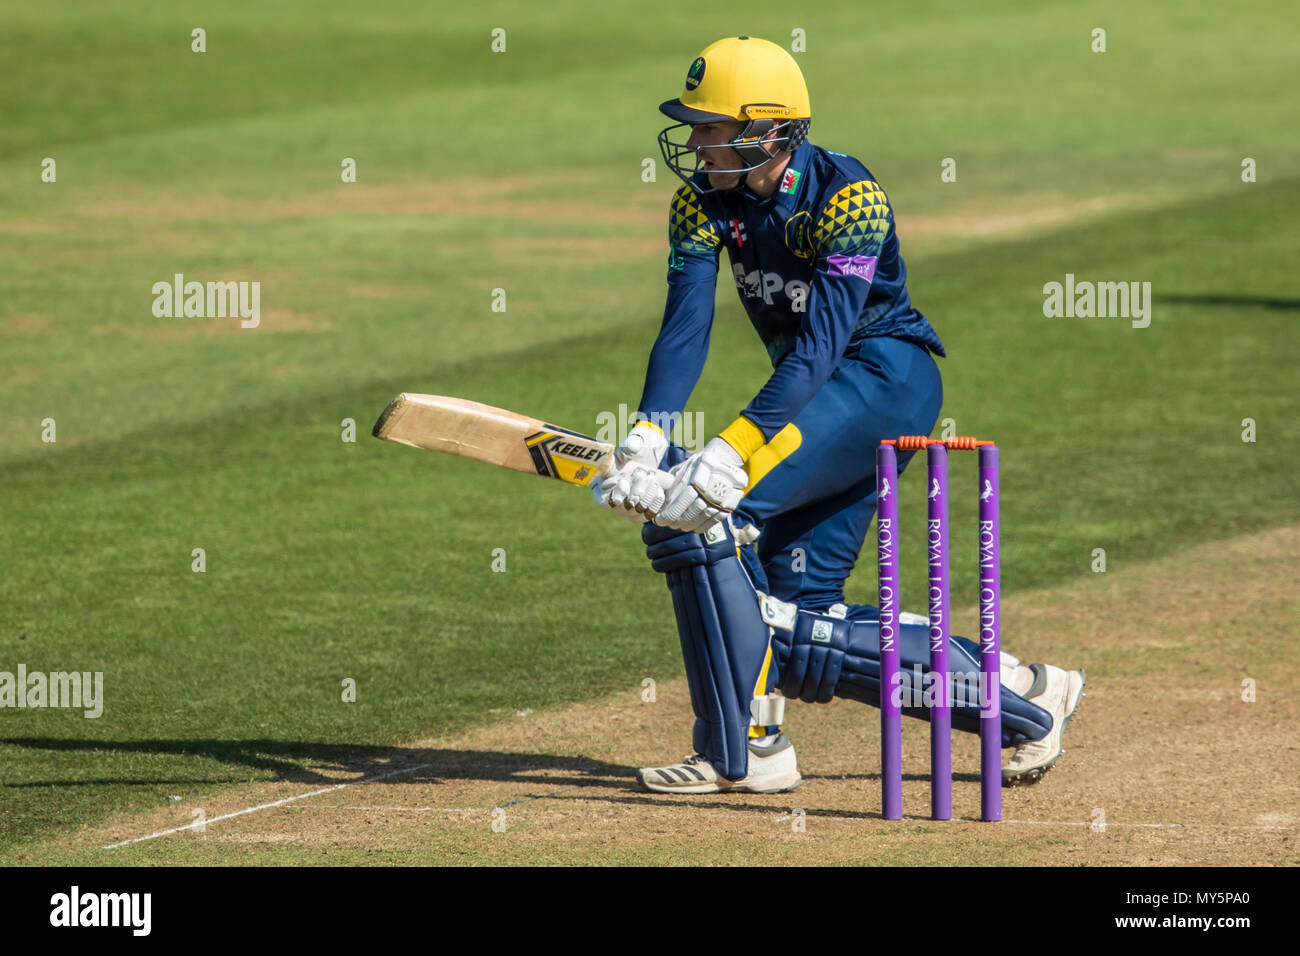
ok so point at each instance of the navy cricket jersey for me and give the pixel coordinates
(818, 269)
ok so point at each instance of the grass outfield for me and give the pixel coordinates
(329, 560)
(1166, 773)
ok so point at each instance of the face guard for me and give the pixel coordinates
(749, 145)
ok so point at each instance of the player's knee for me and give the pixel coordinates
(804, 588)
(669, 549)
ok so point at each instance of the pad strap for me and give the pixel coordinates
(818, 656)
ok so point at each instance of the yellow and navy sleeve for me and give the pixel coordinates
(854, 222)
(690, 232)
(847, 239)
(677, 359)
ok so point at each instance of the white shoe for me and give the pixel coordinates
(772, 769)
(1058, 692)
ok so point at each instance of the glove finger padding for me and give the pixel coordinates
(608, 494)
(620, 483)
(646, 492)
(705, 486)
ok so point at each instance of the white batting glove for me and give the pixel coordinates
(644, 445)
(705, 486)
(631, 487)
(641, 490)
(635, 492)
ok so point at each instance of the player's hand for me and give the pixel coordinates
(612, 489)
(634, 492)
(705, 486)
(633, 486)
(644, 445)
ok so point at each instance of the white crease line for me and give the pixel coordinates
(268, 806)
(339, 806)
(423, 766)
(1165, 826)
(719, 812)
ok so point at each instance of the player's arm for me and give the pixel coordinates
(848, 239)
(677, 359)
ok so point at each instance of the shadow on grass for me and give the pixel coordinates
(1263, 302)
(329, 764)
(322, 763)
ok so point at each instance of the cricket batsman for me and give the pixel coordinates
(757, 533)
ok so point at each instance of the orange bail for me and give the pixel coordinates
(920, 442)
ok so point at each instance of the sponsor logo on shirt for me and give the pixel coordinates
(864, 267)
(764, 285)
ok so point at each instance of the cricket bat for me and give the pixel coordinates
(506, 439)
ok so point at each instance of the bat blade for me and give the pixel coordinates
(457, 426)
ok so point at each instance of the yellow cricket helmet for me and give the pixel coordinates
(741, 79)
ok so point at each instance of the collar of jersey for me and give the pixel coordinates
(787, 201)
(799, 162)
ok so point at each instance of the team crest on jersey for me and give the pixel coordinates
(796, 235)
(695, 74)
(790, 181)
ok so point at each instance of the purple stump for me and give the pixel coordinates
(936, 537)
(990, 581)
(891, 712)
